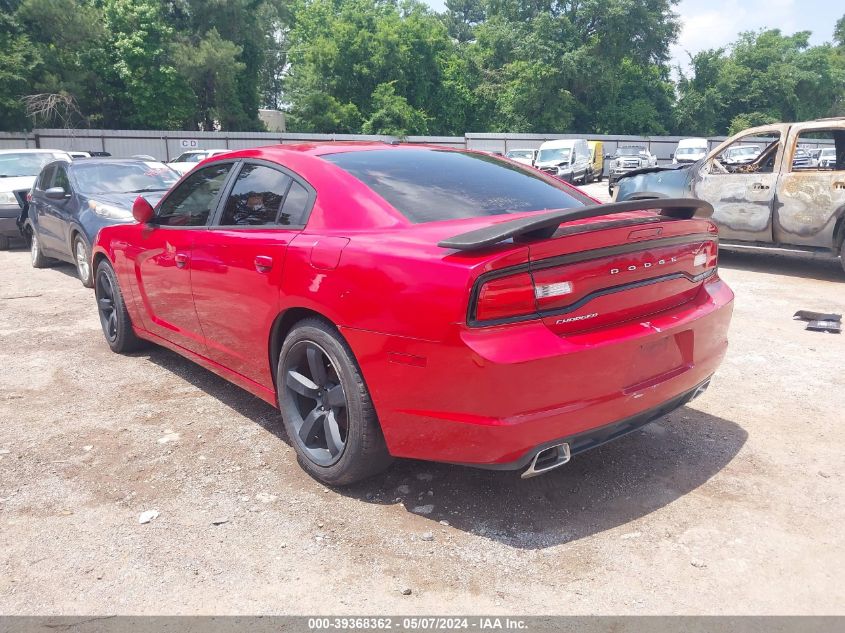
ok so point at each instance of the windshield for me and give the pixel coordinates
(630, 151)
(745, 151)
(433, 185)
(25, 163)
(135, 177)
(828, 153)
(560, 154)
(190, 157)
(686, 151)
(519, 153)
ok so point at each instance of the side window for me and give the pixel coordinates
(820, 150)
(748, 155)
(61, 179)
(45, 178)
(295, 208)
(192, 201)
(256, 197)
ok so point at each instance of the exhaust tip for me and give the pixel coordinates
(699, 390)
(548, 459)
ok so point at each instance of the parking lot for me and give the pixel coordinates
(733, 504)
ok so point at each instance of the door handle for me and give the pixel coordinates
(758, 186)
(181, 259)
(263, 263)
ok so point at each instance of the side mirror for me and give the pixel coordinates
(142, 210)
(672, 156)
(608, 156)
(56, 193)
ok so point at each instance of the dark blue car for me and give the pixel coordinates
(71, 202)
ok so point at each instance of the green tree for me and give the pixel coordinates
(341, 51)
(585, 65)
(73, 52)
(765, 76)
(18, 65)
(751, 119)
(211, 68)
(393, 115)
(139, 42)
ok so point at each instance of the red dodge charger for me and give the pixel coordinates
(422, 302)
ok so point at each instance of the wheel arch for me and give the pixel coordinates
(839, 230)
(97, 256)
(283, 324)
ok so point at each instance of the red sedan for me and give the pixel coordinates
(422, 302)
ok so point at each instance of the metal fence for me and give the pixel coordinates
(167, 145)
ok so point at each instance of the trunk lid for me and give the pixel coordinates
(601, 278)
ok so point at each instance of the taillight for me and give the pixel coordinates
(707, 257)
(29, 196)
(506, 298)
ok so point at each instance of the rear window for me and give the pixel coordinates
(434, 185)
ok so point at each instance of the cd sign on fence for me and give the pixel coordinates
(188, 143)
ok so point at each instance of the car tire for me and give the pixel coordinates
(114, 318)
(36, 255)
(326, 407)
(842, 255)
(82, 257)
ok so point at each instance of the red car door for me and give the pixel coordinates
(237, 267)
(163, 265)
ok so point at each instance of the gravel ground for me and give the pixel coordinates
(733, 504)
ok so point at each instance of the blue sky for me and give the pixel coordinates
(714, 23)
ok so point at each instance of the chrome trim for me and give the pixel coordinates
(563, 456)
(699, 390)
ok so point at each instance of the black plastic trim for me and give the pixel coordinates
(230, 185)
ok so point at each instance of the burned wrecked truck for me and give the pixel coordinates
(778, 199)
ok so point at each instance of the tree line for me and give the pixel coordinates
(398, 67)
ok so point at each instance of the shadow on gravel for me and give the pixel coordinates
(823, 270)
(597, 491)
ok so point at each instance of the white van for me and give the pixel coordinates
(568, 159)
(690, 150)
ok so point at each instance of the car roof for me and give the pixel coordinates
(324, 149)
(108, 160)
(561, 142)
(33, 151)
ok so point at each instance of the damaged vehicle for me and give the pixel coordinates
(779, 200)
(628, 158)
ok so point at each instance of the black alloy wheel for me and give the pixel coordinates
(321, 411)
(326, 407)
(106, 308)
(117, 326)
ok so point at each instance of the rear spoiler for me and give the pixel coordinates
(544, 225)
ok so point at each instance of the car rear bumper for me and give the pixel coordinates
(583, 442)
(493, 396)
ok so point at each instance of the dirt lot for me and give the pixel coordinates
(731, 505)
